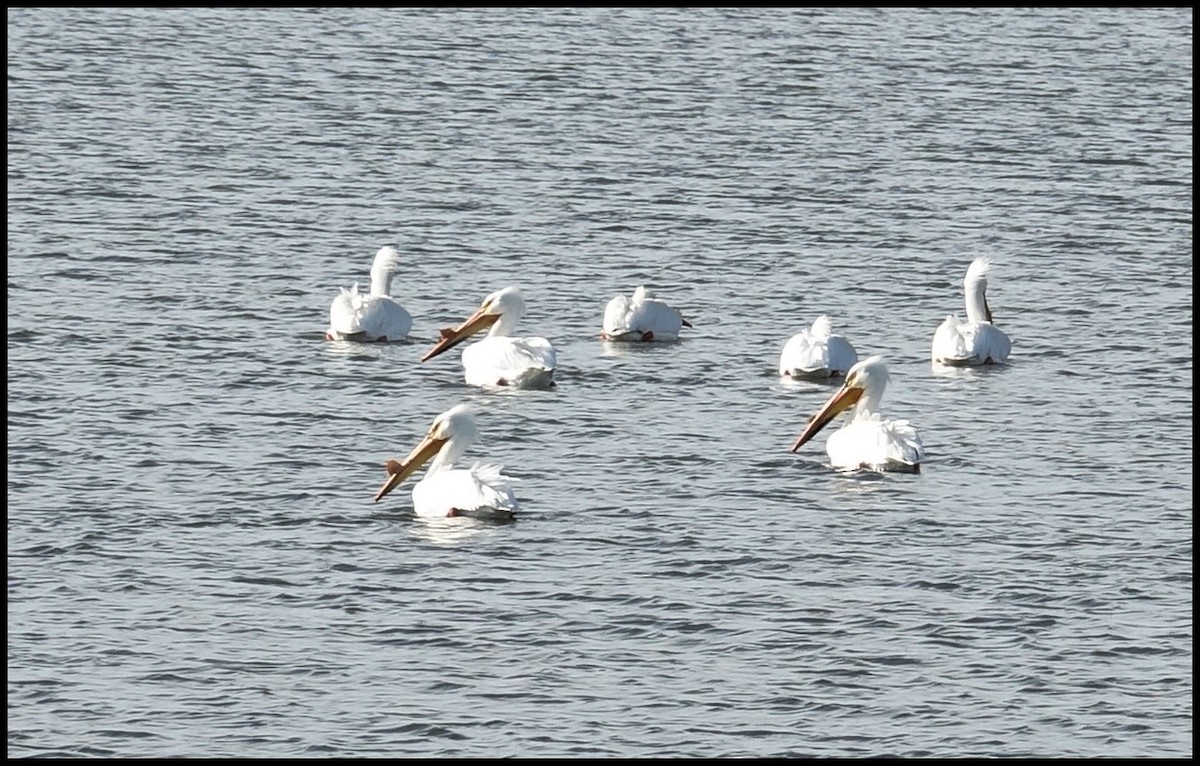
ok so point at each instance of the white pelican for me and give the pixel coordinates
(500, 359)
(445, 490)
(642, 318)
(817, 353)
(866, 440)
(375, 316)
(977, 340)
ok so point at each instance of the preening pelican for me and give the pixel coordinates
(977, 340)
(375, 316)
(866, 440)
(817, 353)
(500, 359)
(446, 490)
(641, 318)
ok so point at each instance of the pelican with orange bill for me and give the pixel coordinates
(481, 490)
(866, 440)
(500, 359)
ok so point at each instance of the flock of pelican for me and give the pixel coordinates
(866, 440)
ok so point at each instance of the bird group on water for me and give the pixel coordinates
(866, 440)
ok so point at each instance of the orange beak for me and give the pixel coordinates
(842, 399)
(399, 471)
(477, 322)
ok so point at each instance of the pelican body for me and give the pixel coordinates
(866, 440)
(817, 353)
(500, 359)
(977, 340)
(447, 490)
(375, 316)
(641, 318)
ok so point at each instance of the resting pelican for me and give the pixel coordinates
(500, 359)
(817, 353)
(642, 318)
(445, 490)
(977, 340)
(375, 316)
(866, 440)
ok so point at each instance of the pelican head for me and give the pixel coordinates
(975, 291)
(499, 311)
(863, 387)
(447, 438)
(383, 268)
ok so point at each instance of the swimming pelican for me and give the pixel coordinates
(977, 340)
(375, 316)
(500, 359)
(642, 318)
(446, 490)
(866, 440)
(817, 353)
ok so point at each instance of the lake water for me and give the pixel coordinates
(195, 566)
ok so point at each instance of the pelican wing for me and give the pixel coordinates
(354, 316)
(482, 487)
(641, 318)
(804, 354)
(807, 354)
(900, 444)
(616, 316)
(494, 489)
(991, 343)
(951, 345)
(817, 352)
(384, 319)
(345, 313)
(842, 355)
(504, 360)
(875, 443)
(653, 316)
(969, 343)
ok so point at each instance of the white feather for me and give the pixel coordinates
(375, 316)
(817, 353)
(640, 318)
(976, 340)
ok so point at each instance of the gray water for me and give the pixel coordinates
(195, 565)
